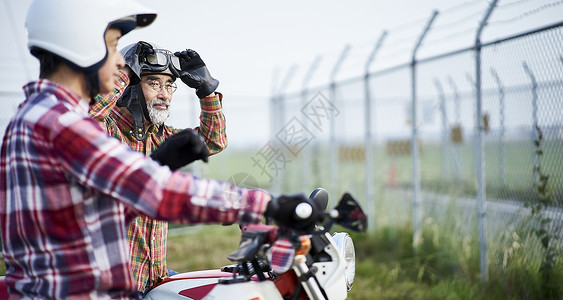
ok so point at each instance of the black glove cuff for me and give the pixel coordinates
(155, 156)
(207, 88)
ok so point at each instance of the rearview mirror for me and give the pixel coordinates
(320, 198)
(350, 214)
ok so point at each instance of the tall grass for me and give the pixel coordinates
(387, 267)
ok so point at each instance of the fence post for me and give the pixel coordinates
(278, 116)
(306, 160)
(445, 140)
(370, 166)
(417, 201)
(457, 110)
(501, 149)
(333, 145)
(479, 153)
(534, 117)
(274, 102)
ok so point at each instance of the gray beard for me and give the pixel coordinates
(158, 116)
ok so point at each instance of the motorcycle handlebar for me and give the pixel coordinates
(292, 211)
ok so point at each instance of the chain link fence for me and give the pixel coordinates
(464, 142)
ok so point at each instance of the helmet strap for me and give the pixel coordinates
(137, 106)
(129, 99)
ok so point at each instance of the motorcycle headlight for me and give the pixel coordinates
(346, 247)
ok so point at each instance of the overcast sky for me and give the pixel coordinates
(243, 42)
(249, 45)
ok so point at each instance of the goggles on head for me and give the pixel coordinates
(160, 60)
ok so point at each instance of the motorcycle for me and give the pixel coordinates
(276, 262)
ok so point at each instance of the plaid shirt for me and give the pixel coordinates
(147, 237)
(64, 189)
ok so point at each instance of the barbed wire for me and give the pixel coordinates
(404, 43)
(526, 14)
(400, 39)
(463, 6)
(449, 37)
(513, 3)
(458, 22)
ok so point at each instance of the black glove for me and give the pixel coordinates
(283, 210)
(134, 60)
(143, 50)
(181, 149)
(194, 73)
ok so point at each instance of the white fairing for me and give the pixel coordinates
(331, 274)
(264, 290)
(171, 289)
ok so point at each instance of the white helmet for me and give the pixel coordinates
(74, 29)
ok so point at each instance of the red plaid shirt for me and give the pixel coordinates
(64, 189)
(147, 237)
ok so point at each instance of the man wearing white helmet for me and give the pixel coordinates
(67, 189)
(135, 113)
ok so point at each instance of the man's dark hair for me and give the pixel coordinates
(48, 62)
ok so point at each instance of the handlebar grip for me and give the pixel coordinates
(292, 211)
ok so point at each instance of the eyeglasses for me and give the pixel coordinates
(157, 85)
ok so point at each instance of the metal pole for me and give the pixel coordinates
(273, 103)
(370, 166)
(332, 139)
(417, 201)
(479, 153)
(279, 115)
(534, 118)
(306, 157)
(502, 148)
(445, 140)
(457, 111)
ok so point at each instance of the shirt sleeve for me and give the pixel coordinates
(109, 167)
(212, 123)
(104, 103)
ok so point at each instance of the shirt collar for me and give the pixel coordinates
(62, 93)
